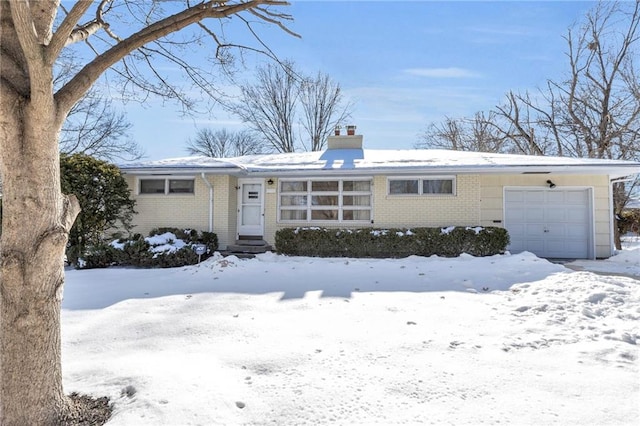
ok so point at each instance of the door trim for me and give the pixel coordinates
(258, 230)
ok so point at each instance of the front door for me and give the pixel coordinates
(250, 207)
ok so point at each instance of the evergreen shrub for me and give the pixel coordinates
(391, 243)
(141, 251)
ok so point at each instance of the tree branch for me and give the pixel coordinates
(80, 83)
(61, 37)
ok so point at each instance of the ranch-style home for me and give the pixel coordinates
(554, 207)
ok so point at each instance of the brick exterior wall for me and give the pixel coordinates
(478, 201)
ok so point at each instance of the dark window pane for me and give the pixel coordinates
(437, 186)
(152, 186)
(293, 186)
(181, 186)
(331, 185)
(403, 186)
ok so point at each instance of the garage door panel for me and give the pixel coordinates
(577, 197)
(514, 197)
(534, 197)
(549, 222)
(534, 215)
(555, 197)
(534, 230)
(534, 246)
(556, 214)
(515, 215)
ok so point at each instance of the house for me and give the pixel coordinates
(554, 207)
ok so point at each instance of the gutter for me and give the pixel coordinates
(210, 201)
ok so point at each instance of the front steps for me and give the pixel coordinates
(247, 247)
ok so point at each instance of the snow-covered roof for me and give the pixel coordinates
(371, 161)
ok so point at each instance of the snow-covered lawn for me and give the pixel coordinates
(509, 339)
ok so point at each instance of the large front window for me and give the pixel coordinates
(337, 200)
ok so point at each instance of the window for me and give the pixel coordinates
(438, 185)
(334, 200)
(166, 186)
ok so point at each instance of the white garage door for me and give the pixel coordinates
(554, 223)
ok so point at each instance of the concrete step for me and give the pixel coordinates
(251, 243)
(242, 248)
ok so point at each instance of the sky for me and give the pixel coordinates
(402, 64)
(508, 339)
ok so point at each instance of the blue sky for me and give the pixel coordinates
(403, 64)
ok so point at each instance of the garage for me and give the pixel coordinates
(552, 223)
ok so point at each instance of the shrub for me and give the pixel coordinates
(103, 195)
(163, 248)
(395, 243)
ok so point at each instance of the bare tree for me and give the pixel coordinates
(322, 109)
(223, 143)
(36, 216)
(272, 105)
(93, 127)
(269, 105)
(465, 134)
(594, 111)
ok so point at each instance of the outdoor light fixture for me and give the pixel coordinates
(551, 184)
(270, 181)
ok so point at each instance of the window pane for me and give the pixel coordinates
(398, 186)
(356, 215)
(356, 185)
(437, 186)
(331, 185)
(324, 214)
(181, 186)
(293, 186)
(152, 186)
(293, 200)
(356, 200)
(293, 214)
(324, 200)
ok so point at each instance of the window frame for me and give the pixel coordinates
(421, 180)
(167, 186)
(309, 207)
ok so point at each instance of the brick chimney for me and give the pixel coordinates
(348, 141)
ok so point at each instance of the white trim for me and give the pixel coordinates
(591, 250)
(261, 227)
(210, 200)
(420, 179)
(340, 193)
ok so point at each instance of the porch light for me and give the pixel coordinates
(551, 184)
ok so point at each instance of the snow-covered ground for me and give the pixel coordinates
(509, 339)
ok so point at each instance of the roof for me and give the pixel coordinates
(370, 161)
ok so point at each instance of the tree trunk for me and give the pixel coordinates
(36, 219)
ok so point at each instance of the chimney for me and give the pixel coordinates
(348, 141)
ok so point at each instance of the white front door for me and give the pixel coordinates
(250, 207)
(554, 223)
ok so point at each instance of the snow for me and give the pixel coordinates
(509, 339)
(372, 160)
(166, 242)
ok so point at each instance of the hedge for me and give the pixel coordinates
(391, 243)
(143, 252)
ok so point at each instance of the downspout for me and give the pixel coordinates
(210, 201)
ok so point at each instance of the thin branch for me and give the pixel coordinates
(61, 36)
(79, 84)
